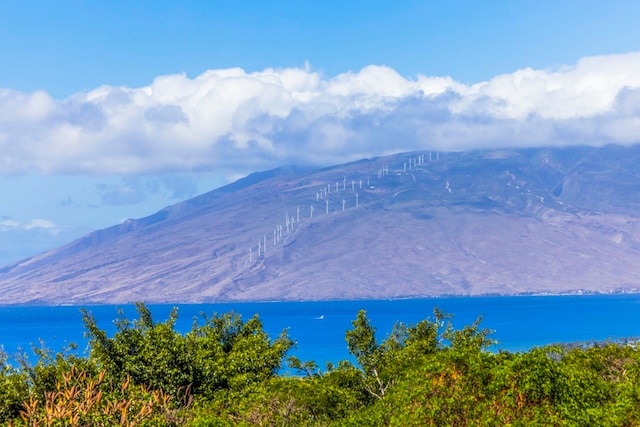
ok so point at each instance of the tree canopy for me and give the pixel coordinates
(228, 371)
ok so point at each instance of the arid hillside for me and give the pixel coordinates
(553, 220)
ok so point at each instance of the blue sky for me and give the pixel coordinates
(111, 110)
(68, 46)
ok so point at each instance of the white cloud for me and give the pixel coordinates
(236, 121)
(39, 223)
(20, 108)
(34, 224)
(584, 90)
(9, 224)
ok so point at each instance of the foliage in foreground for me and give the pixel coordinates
(225, 372)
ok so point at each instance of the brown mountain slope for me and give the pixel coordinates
(482, 222)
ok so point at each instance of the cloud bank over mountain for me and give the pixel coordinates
(239, 122)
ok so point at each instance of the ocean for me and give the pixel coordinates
(519, 322)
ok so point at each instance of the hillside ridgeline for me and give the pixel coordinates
(552, 220)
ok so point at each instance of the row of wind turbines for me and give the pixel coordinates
(325, 198)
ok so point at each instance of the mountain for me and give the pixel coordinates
(545, 220)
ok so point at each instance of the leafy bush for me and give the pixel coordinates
(82, 400)
(222, 353)
(224, 372)
(13, 389)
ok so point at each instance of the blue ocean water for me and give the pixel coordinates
(520, 323)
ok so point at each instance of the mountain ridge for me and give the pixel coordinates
(517, 221)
